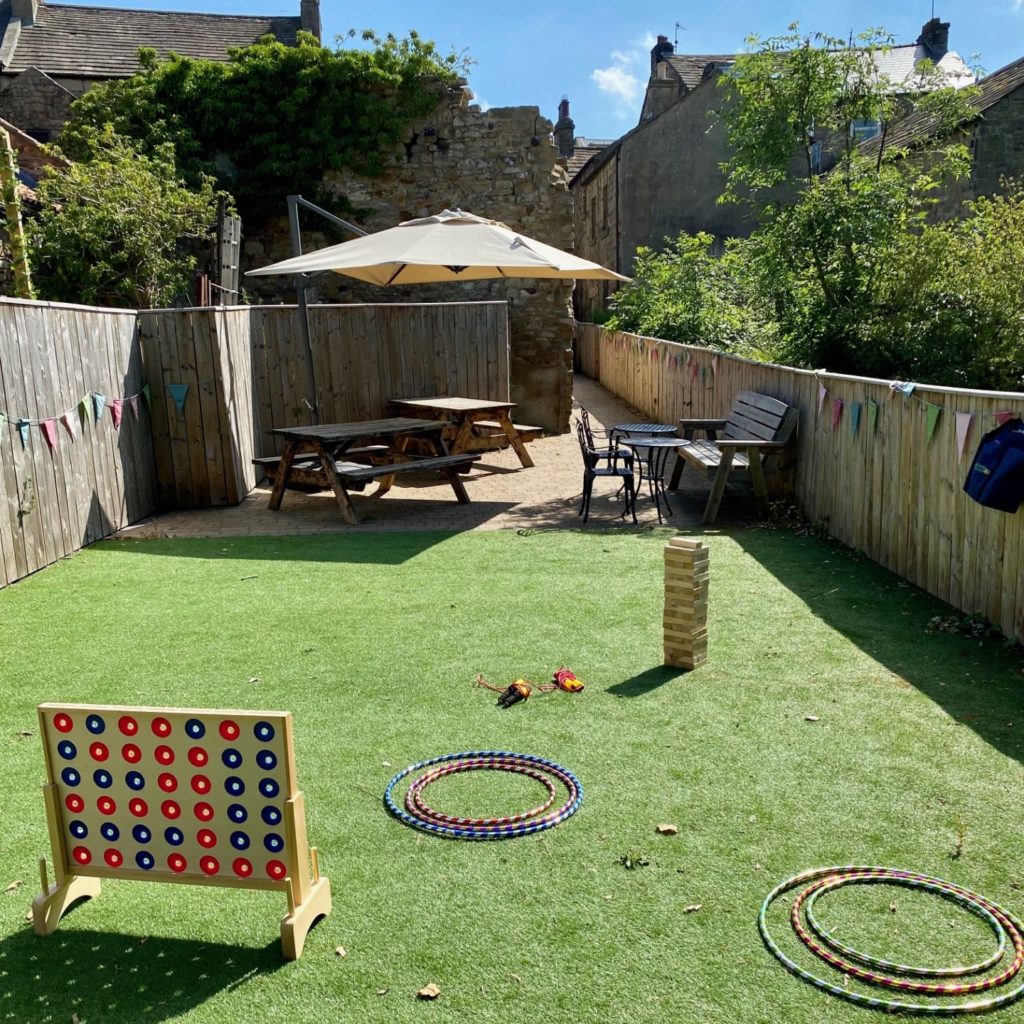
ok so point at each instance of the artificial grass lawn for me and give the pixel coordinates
(373, 641)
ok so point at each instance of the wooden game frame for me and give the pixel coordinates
(308, 893)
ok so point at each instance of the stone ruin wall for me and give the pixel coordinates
(498, 163)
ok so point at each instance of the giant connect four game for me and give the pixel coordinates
(176, 795)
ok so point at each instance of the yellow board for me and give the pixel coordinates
(176, 795)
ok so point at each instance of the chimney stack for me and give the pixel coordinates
(661, 49)
(565, 130)
(310, 17)
(934, 38)
(25, 10)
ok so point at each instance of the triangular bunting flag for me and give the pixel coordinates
(933, 413)
(714, 364)
(145, 393)
(116, 409)
(69, 424)
(822, 392)
(904, 388)
(872, 416)
(23, 426)
(837, 412)
(963, 427)
(855, 408)
(134, 403)
(694, 368)
(49, 429)
(179, 392)
(98, 402)
(83, 409)
(1002, 417)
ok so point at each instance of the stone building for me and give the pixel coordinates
(50, 53)
(664, 176)
(994, 137)
(500, 164)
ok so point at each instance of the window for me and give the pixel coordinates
(861, 131)
(817, 152)
(604, 207)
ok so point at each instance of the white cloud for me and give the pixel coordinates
(624, 79)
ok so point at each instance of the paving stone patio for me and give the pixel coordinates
(504, 496)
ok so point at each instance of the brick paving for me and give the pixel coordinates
(504, 496)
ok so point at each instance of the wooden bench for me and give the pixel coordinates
(493, 430)
(307, 474)
(755, 425)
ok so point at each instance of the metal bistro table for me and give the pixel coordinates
(464, 413)
(330, 441)
(654, 451)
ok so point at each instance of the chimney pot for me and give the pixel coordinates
(661, 49)
(309, 17)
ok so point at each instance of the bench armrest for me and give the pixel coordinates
(732, 442)
(703, 424)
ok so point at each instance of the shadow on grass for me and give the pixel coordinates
(117, 978)
(978, 682)
(646, 681)
(351, 549)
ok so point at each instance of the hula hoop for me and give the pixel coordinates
(1007, 928)
(419, 815)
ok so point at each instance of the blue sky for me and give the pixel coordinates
(598, 53)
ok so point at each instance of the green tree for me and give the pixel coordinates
(272, 119)
(111, 229)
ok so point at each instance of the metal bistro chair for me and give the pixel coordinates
(609, 462)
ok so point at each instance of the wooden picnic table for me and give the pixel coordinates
(477, 424)
(330, 441)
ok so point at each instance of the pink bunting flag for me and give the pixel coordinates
(134, 403)
(116, 410)
(837, 412)
(49, 429)
(693, 370)
(1002, 417)
(822, 392)
(68, 419)
(963, 427)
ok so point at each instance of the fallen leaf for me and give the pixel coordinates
(633, 860)
(759, 867)
(892, 906)
(340, 951)
(811, 718)
(383, 991)
(28, 732)
(430, 991)
(385, 764)
(693, 908)
(14, 886)
(254, 679)
(668, 830)
(28, 915)
(515, 977)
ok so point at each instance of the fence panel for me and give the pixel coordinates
(72, 376)
(881, 470)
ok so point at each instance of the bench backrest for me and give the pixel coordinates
(760, 417)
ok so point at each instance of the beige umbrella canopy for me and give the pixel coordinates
(450, 246)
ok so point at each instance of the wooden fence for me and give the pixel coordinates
(65, 370)
(892, 488)
(237, 373)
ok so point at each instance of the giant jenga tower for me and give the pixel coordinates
(686, 603)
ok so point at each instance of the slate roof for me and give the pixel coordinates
(897, 63)
(102, 42)
(920, 128)
(583, 150)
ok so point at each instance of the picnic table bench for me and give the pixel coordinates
(316, 457)
(756, 424)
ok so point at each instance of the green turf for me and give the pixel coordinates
(373, 641)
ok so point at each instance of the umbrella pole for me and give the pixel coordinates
(300, 290)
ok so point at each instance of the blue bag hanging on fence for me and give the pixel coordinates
(996, 476)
